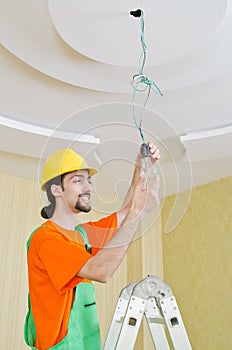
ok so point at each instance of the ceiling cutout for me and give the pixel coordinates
(105, 31)
(97, 42)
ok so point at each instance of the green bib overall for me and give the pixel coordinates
(83, 328)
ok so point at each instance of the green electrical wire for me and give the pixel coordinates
(140, 82)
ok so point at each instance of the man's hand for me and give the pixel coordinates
(145, 198)
(154, 152)
(155, 156)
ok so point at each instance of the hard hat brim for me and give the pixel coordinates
(92, 171)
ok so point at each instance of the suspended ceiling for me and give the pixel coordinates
(66, 71)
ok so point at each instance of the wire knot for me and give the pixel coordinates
(140, 79)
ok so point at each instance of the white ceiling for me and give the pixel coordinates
(66, 70)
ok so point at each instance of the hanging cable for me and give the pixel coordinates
(140, 82)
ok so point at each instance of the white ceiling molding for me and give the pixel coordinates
(208, 144)
(202, 134)
(42, 131)
(38, 142)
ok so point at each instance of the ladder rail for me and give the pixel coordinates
(118, 318)
(174, 323)
(131, 324)
(156, 325)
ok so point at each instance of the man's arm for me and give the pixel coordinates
(102, 266)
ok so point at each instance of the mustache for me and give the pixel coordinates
(84, 194)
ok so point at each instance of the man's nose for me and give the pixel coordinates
(87, 186)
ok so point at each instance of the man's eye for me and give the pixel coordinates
(77, 181)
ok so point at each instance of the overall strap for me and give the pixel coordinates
(29, 325)
(30, 237)
(83, 233)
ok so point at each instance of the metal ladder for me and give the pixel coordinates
(153, 299)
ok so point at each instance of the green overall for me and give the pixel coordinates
(83, 328)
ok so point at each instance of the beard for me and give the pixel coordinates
(83, 207)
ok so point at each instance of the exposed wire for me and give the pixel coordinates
(140, 82)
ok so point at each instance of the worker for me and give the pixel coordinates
(64, 258)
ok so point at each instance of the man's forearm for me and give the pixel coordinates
(103, 265)
(122, 213)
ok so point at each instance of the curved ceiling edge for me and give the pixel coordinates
(114, 28)
(214, 144)
(42, 131)
(66, 65)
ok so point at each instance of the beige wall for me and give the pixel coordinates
(19, 215)
(20, 204)
(198, 265)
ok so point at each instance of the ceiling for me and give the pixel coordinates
(66, 71)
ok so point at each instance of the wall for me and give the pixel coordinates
(20, 204)
(198, 264)
(19, 215)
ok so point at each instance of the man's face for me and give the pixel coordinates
(77, 187)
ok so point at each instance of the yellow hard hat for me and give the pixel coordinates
(61, 162)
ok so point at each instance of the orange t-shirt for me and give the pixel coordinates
(54, 258)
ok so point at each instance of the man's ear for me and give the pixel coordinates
(56, 190)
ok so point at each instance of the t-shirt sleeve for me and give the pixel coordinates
(63, 260)
(101, 231)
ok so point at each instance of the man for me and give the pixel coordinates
(64, 258)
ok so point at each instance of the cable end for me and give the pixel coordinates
(136, 13)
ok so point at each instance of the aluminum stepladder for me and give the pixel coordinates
(153, 299)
